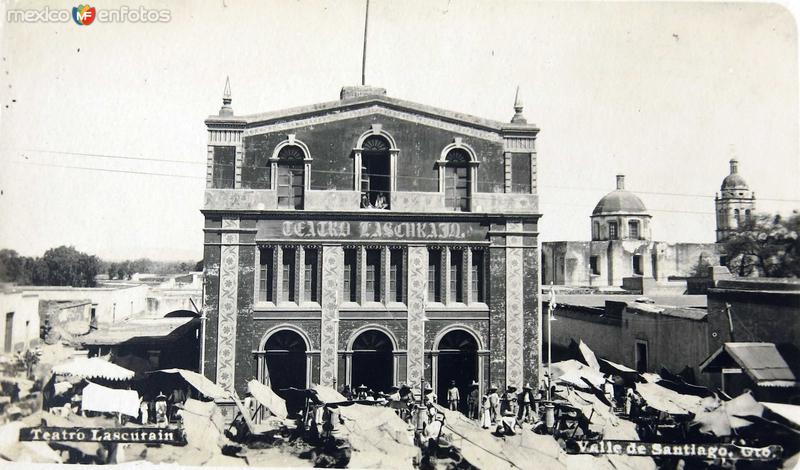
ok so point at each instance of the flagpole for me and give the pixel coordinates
(364, 52)
(550, 343)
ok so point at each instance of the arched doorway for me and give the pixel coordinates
(457, 361)
(376, 172)
(373, 361)
(286, 365)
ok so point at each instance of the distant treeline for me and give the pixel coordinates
(66, 266)
(126, 269)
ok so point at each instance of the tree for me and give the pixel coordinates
(766, 245)
(199, 266)
(66, 266)
(11, 265)
(700, 269)
(111, 269)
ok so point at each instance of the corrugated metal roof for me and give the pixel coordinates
(761, 361)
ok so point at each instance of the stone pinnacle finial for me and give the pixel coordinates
(518, 117)
(226, 109)
(226, 95)
(620, 182)
(734, 166)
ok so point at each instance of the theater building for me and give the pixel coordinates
(373, 241)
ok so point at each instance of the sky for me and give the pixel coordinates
(665, 93)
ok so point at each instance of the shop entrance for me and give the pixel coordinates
(457, 361)
(286, 365)
(373, 361)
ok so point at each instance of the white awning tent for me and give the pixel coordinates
(92, 368)
(269, 399)
(669, 401)
(110, 400)
(201, 383)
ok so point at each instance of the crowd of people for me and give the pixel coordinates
(501, 411)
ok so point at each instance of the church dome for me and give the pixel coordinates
(620, 201)
(734, 181)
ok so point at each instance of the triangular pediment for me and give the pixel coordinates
(276, 121)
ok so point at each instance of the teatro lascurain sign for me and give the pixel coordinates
(334, 229)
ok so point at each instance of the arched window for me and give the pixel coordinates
(291, 177)
(375, 172)
(596, 231)
(747, 215)
(457, 180)
(736, 219)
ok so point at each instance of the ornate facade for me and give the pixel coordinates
(370, 240)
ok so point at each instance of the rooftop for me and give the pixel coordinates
(599, 300)
(762, 362)
(764, 284)
(364, 96)
(140, 329)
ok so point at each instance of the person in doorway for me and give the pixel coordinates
(453, 396)
(473, 401)
(361, 392)
(494, 404)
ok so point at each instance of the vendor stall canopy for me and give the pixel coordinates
(92, 368)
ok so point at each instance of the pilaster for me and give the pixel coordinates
(514, 322)
(332, 272)
(417, 287)
(228, 290)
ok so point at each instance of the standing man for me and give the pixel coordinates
(472, 400)
(494, 404)
(453, 396)
(526, 403)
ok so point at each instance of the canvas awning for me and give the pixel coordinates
(269, 399)
(762, 362)
(328, 395)
(790, 413)
(729, 415)
(92, 368)
(668, 401)
(110, 400)
(140, 330)
(573, 372)
(588, 355)
(200, 382)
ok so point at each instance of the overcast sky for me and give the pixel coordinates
(665, 93)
